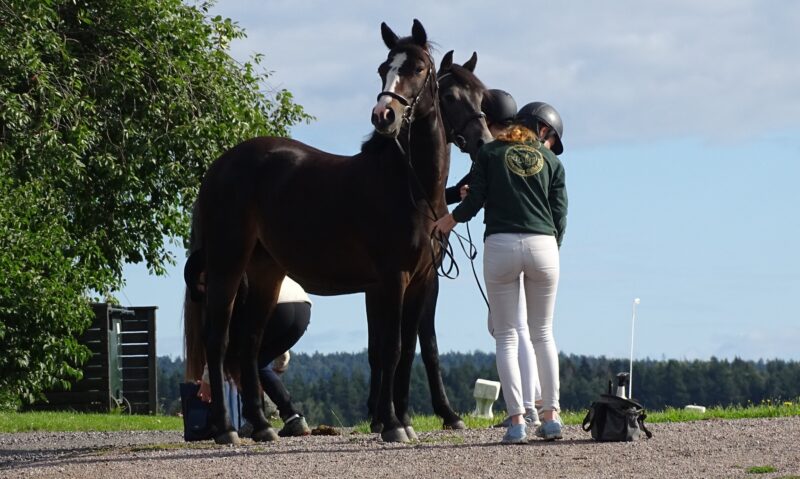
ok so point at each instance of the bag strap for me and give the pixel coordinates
(589, 419)
(640, 420)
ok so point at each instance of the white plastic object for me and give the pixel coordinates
(486, 393)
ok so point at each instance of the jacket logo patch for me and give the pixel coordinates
(524, 160)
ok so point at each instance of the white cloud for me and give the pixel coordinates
(621, 71)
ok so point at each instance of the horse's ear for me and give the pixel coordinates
(473, 60)
(418, 34)
(389, 37)
(447, 62)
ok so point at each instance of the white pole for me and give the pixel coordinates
(630, 368)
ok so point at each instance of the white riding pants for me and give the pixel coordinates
(506, 256)
(531, 391)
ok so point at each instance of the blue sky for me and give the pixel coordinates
(682, 149)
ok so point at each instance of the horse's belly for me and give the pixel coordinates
(326, 267)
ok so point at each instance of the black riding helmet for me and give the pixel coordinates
(537, 112)
(499, 107)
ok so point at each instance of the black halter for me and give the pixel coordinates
(408, 111)
(455, 134)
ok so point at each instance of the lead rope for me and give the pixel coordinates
(445, 247)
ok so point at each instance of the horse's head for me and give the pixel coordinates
(460, 97)
(408, 77)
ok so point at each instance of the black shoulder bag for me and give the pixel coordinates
(612, 418)
(196, 424)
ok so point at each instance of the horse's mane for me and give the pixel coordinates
(466, 77)
(375, 143)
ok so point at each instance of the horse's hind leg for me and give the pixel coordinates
(229, 239)
(221, 291)
(430, 357)
(264, 277)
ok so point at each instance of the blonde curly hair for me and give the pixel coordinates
(517, 133)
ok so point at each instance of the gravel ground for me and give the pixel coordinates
(703, 449)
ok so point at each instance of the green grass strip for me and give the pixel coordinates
(74, 421)
(760, 469)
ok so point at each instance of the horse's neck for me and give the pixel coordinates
(430, 155)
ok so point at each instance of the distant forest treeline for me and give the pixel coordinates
(333, 388)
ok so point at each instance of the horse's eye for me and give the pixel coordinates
(419, 70)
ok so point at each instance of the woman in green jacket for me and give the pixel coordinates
(521, 185)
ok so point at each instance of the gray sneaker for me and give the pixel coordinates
(532, 418)
(550, 430)
(516, 434)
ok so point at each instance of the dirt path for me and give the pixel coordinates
(706, 449)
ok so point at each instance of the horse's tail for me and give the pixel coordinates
(194, 309)
(193, 340)
(194, 303)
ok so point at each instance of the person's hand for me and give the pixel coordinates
(463, 191)
(205, 391)
(445, 224)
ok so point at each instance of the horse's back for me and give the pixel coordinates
(311, 209)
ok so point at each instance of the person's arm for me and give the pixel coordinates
(474, 201)
(453, 194)
(471, 203)
(558, 201)
(204, 393)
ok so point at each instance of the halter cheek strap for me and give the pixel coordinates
(408, 111)
(454, 134)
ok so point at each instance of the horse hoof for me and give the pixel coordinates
(228, 437)
(395, 435)
(265, 435)
(459, 424)
(376, 427)
(412, 435)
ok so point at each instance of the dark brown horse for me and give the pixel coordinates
(460, 96)
(272, 206)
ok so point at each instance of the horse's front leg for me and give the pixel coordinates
(430, 357)
(414, 304)
(388, 308)
(374, 319)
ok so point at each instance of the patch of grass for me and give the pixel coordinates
(764, 410)
(760, 469)
(75, 421)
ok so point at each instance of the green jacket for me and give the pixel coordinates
(522, 187)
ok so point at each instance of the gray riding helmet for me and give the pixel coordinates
(541, 112)
(499, 107)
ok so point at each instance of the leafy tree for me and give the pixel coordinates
(42, 305)
(110, 113)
